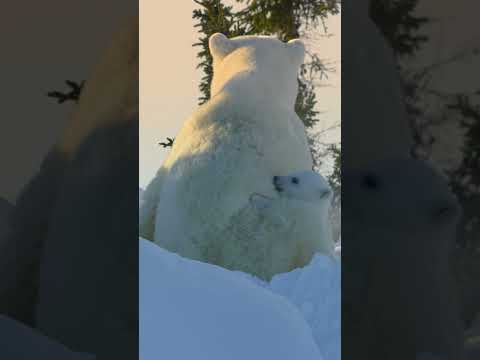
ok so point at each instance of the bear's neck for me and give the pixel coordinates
(250, 87)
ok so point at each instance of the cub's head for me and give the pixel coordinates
(275, 64)
(304, 185)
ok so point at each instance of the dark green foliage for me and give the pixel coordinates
(305, 103)
(283, 18)
(470, 167)
(336, 176)
(465, 180)
(398, 24)
(213, 17)
(401, 29)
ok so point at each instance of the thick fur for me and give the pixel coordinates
(272, 236)
(230, 147)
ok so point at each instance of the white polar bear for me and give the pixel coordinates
(276, 235)
(231, 147)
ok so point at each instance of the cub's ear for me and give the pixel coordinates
(220, 46)
(297, 51)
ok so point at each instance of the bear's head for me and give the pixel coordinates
(257, 65)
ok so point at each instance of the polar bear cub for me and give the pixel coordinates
(275, 235)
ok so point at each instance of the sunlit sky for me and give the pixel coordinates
(169, 78)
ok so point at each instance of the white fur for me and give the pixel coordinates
(231, 147)
(277, 235)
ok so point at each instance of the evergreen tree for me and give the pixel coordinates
(466, 179)
(400, 27)
(401, 30)
(213, 16)
(283, 18)
(335, 177)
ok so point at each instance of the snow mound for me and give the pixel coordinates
(316, 291)
(196, 311)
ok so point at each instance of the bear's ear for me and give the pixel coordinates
(297, 51)
(220, 46)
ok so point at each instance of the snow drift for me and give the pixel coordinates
(195, 311)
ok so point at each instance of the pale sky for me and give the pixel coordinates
(169, 78)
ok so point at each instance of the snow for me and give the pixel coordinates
(316, 291)
(196, 311)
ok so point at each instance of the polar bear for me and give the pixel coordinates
(275, 235)
(231, 147)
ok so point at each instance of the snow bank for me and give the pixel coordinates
(316, 291)
(195, 311)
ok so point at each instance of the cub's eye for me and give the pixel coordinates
(295, 180)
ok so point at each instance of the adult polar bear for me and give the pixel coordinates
(231, 147)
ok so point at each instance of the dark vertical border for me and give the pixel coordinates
(69, 184)
(410, 271)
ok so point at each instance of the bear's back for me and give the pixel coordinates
(225, 152)
(276, 134)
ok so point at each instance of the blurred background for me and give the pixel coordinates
(44, 44)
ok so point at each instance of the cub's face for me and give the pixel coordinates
(306, 186)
